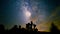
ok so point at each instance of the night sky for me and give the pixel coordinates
(21, 12)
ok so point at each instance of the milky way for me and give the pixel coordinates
(20, 12)
(38, 15)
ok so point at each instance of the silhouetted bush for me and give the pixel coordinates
(28, 28)
(54, 28)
